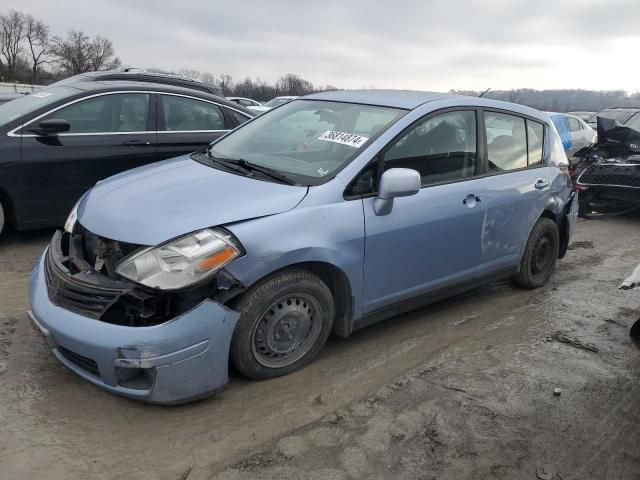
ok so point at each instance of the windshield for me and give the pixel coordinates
(634, 122)
(620, 116)
(30, 103)
(306, 139)
(274, 102)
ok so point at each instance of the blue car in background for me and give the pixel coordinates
(326, 214)
(574, 132)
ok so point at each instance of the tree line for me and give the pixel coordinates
(562, 100)
(288, 84)
(30, 54)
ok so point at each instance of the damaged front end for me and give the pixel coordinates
(80, 272)
(607, 174)
(158, 346)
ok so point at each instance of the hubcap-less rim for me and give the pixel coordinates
(287, 330)
(542, 257)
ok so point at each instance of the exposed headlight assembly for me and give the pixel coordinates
(72, 218)
(181, 262)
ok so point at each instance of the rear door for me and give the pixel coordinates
(187, 124)
(516, 186)
(110, 133)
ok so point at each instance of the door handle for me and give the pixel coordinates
(471, 200)
(136, 143)
(541, 184)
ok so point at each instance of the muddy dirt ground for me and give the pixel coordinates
(461, 389)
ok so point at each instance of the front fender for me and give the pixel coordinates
(331, 233)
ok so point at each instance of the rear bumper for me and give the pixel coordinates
(175, 362)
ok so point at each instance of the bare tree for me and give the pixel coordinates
(77, 53)
(102, 55)
(37, 35)
(291, 84)
(12, 28)
(226, 83)
(208, 77)
(190, 73)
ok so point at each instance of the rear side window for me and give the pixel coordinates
(574, 125)
(189, 114)
(535, 137)
(441, 148)
(122, 112)
(506, 141)
(239, 117)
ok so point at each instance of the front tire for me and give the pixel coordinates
(285, 321)
(540, 254)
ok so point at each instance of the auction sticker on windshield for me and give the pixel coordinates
(343, 138)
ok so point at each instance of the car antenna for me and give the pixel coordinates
(482, 94)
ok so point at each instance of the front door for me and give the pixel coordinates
(430, 240)
(109, 133)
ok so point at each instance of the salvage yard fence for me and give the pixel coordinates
(18, 87)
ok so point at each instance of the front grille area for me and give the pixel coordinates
(74, 284)
(77, 297)
(87, 364)
(622, 175)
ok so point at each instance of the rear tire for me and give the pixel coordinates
(2, 218)
(540, 254)
(284, 322)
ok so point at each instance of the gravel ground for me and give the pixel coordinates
(462, 389)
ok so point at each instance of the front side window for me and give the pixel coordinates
(506, 141)
(122, 112)
(184, 114)
(441, 148)
(306, 139)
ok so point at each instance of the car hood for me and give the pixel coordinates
(152, 204)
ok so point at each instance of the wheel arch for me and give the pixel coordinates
(7, 206)
(339, 285)
(561, 221)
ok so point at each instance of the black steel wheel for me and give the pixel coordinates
(284, 322)
(540, 254)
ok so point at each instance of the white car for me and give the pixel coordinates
(574, 132)
(245, 102)
(274, 102)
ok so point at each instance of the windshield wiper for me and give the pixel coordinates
(252, 167)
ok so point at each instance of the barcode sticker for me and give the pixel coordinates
(349, 139)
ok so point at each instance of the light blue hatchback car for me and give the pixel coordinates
(326, 214)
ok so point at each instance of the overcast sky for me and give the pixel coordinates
(426, 45)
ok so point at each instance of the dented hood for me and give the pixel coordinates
(152, 204)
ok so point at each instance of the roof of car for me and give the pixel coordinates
(114, 85)
(143, 76)
(411, 99)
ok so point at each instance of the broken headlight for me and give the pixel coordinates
(181, 262)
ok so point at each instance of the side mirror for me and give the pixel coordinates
(395, 182)
(52, 126)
